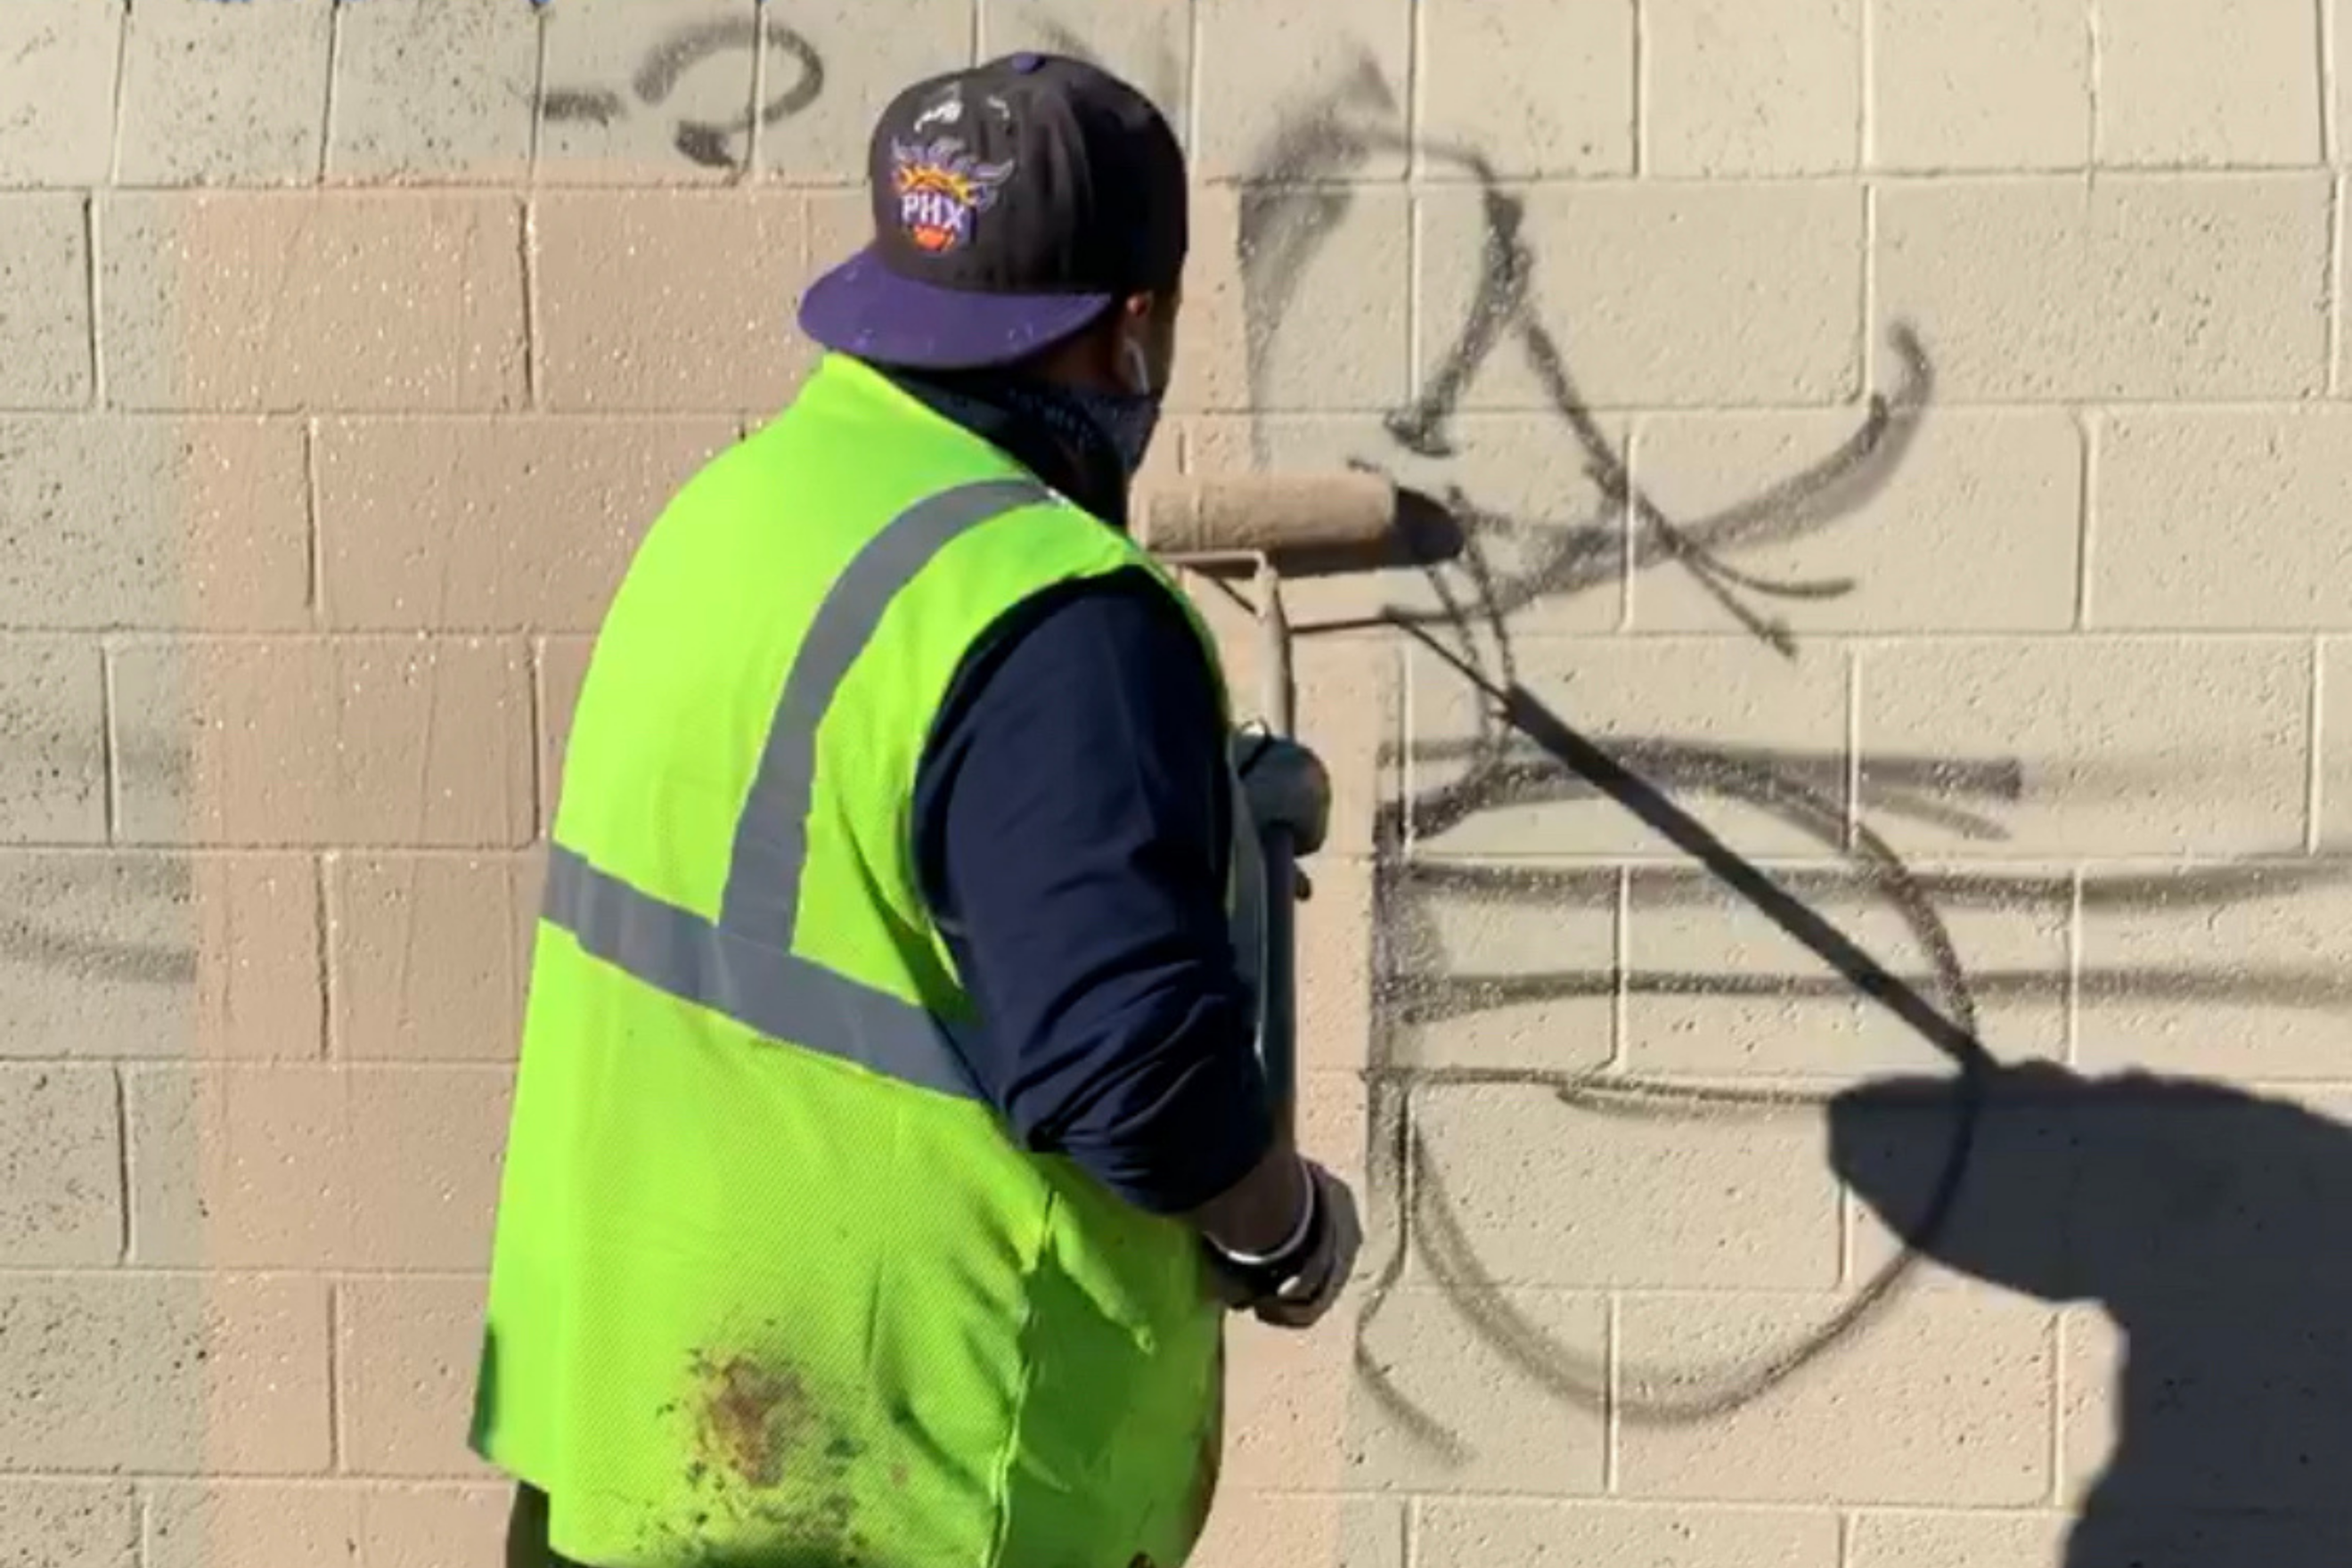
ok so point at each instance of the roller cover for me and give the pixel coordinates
(1324, 516)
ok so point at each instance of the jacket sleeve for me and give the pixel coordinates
(1072, 820)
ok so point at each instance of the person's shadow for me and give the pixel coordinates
(2214, 1229)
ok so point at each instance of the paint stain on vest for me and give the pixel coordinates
(752, 1416)
(765, 1461)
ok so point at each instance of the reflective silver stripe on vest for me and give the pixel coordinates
(761, 898)
(781, 994)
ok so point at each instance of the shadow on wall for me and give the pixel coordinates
(2204, 1232)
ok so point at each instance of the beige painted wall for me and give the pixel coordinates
(1911, 433)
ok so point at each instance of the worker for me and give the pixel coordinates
(889, 1146)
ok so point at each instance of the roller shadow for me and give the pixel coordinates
(2212, 1229)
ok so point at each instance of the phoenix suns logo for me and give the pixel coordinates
(941, 188)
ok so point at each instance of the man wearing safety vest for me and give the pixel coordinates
(888, 1140)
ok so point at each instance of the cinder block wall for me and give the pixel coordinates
(1909, 435)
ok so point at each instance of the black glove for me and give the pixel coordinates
(1285, 785)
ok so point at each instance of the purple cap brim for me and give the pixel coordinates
(863, 308)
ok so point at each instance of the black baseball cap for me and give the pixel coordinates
(1014, 203)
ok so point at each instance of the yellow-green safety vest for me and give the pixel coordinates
(772, 1284)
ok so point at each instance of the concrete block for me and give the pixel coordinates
(60, 1167)
(2334, 746)
(1295, 300)
(251, 1525)
(131, 954)
(52, 743)
(820, 137)
(2175, 1538)
(1450, 1410)
(1500, 1392)
(429, 1526)
(1149, 46)
(1946, 1399)
(1954, 520)
(1466, 1533)
(46, 348)
(660, 90)
(1695, 716)
(2090, 741)
(1273, 76)
(1351, 711)
(430, 954)
(1716, 986)
(1889, 1538)
(2158, 1414)
(107, 521)
(1981, 84)
(265, 1525)
(1733, 90)
(57, 61)
(562, 667)
(2142, 288)
(2146, 1538)
(1334, 934)
(430, 91)
(1287, 1408)
(2027, 1220)
(216, 95)
(1500, 964)
(838, 222)
(2228, 972)
(493, 524)
(69, 1524)
(300, 1167)
(1248, 1529)
(2203, 1361)
(712, 283)
(2157, 1193)
(141, 1373)
(358, 741)
(2225, 520)
(1543, 95)
(1659, 296)
(1530, 492)
(1332, 1124)
(1521, 1189)
(375, 301)
(2235, 83)
(405, 1353)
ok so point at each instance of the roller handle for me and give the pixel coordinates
(1277, 1027)
(1277, 1040)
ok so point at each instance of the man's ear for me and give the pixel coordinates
(1149, 321)
(1130, 344)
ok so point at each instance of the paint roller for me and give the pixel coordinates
(1270, 527)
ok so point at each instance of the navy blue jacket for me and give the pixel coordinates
(1073, 828)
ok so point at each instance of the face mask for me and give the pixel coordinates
(1128, 418)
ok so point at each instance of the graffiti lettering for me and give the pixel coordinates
(1303, 199)
(708, 144)
(1924, 1182)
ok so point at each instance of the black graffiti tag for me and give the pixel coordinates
(706, 142)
